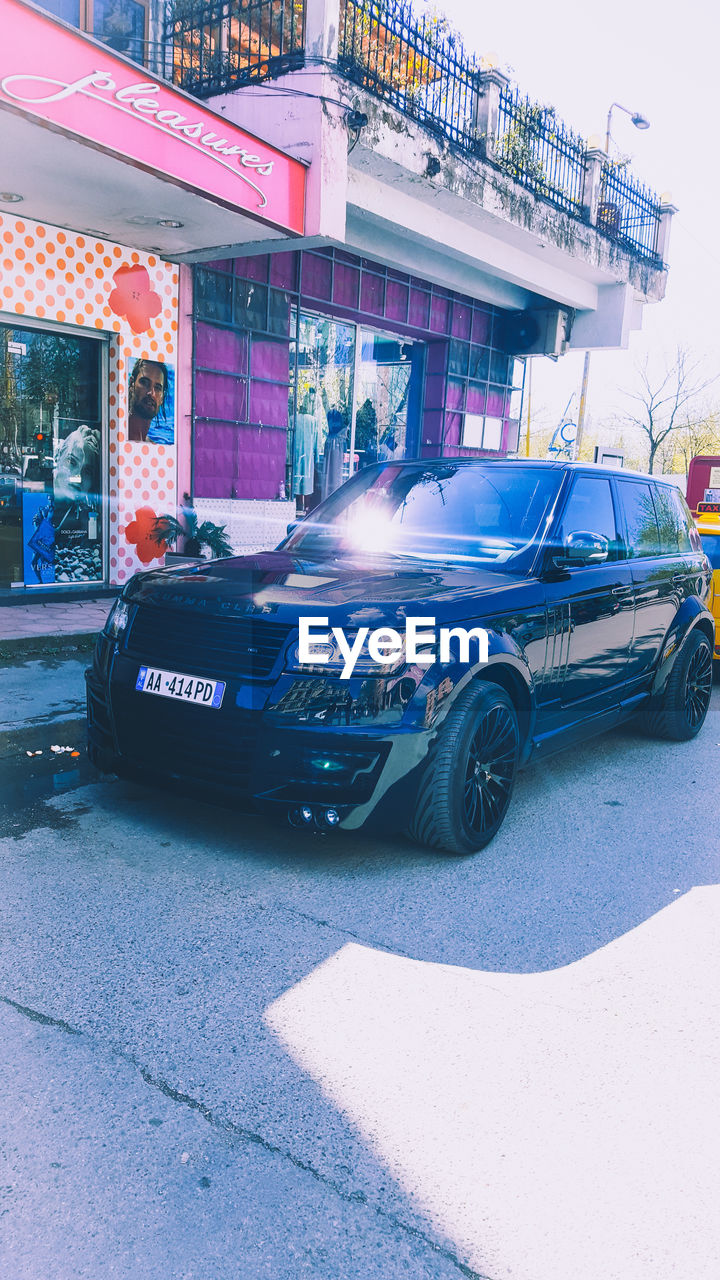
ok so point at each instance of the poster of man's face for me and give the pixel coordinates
(151, 402)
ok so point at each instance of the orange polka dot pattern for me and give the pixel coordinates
(60, 276)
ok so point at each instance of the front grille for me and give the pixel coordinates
(180, 740)
(205, 644)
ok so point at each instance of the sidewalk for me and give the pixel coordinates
(49, 627)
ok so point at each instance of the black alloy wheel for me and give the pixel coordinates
(468, 781)
(698, 686)
(679, 712)
(490, 771)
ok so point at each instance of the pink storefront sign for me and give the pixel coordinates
(71, 83)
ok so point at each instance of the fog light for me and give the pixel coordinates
(327, 766)
(302, 817)
(332, 817)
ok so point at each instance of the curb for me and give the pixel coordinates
(47, 646)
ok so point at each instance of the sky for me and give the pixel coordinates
(660, 59)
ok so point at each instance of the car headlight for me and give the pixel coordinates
(118, 619)
(329, 659)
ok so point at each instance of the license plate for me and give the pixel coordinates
(172, 684)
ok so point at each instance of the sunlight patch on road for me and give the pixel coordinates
(550, 1126)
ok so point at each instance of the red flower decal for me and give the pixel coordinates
(133, 298)
(139, 532)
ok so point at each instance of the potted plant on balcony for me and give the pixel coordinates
(199, 537)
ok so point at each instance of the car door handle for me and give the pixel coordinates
(679, 579)
(622, 591)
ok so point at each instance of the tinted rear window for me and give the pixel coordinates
(642, 525)
(672, 521)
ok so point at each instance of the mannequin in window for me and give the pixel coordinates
(306, 452)
(388, 445)
(334, 452)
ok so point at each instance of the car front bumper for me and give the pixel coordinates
(240, 756)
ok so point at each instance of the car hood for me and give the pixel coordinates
(281, 587)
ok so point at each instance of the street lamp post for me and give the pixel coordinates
(641, 122)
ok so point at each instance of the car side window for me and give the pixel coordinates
(590, 509)
(642, 526)
(672, 522)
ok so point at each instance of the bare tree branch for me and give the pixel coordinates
(660, 406)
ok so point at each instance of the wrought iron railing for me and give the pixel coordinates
(219, 45)
(415, 63)
(629, 213)
(534, 147)
(420, 66)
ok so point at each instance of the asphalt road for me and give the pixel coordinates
(232, 1051)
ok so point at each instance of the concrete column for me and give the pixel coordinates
(667, 212)
(594, 159)
(322, 29)
(487, 110)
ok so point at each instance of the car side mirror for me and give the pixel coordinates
(292, 526)
(582, 547)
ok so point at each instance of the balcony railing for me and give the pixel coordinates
(535, 148)
(411, 62)
(629, 212)
(220, 45)
(418, 65)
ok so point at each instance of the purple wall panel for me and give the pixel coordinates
(215, 459)
(347, 286)
(436, 357)
(481, 327)
(461, 320)
(271, 359)
(432, 426)
(419, 308)
(455, 394)
(284, 270)
(220, 348)
(262, 463)
(396, 301)
(439, 314)
(316, 276)
(475, 401)
(496, 402)
(372, 294)
(434, 390)
(254, 268)
(269, 404)
(453, 427)
(221, 396)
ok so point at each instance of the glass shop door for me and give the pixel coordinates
(52, 448)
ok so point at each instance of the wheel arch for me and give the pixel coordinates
(516, 686)
(692, 616)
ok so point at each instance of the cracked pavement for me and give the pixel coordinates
(235, 1050)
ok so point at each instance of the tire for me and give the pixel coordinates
(460, 804)
(679, 712)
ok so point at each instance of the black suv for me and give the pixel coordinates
(588, 584)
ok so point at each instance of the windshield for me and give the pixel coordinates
(492, 515)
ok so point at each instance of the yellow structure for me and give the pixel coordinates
(709, 529)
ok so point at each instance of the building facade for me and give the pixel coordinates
(323, 230)
(456, 229)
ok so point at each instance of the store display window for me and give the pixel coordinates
(52, 450)
(354, 362)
